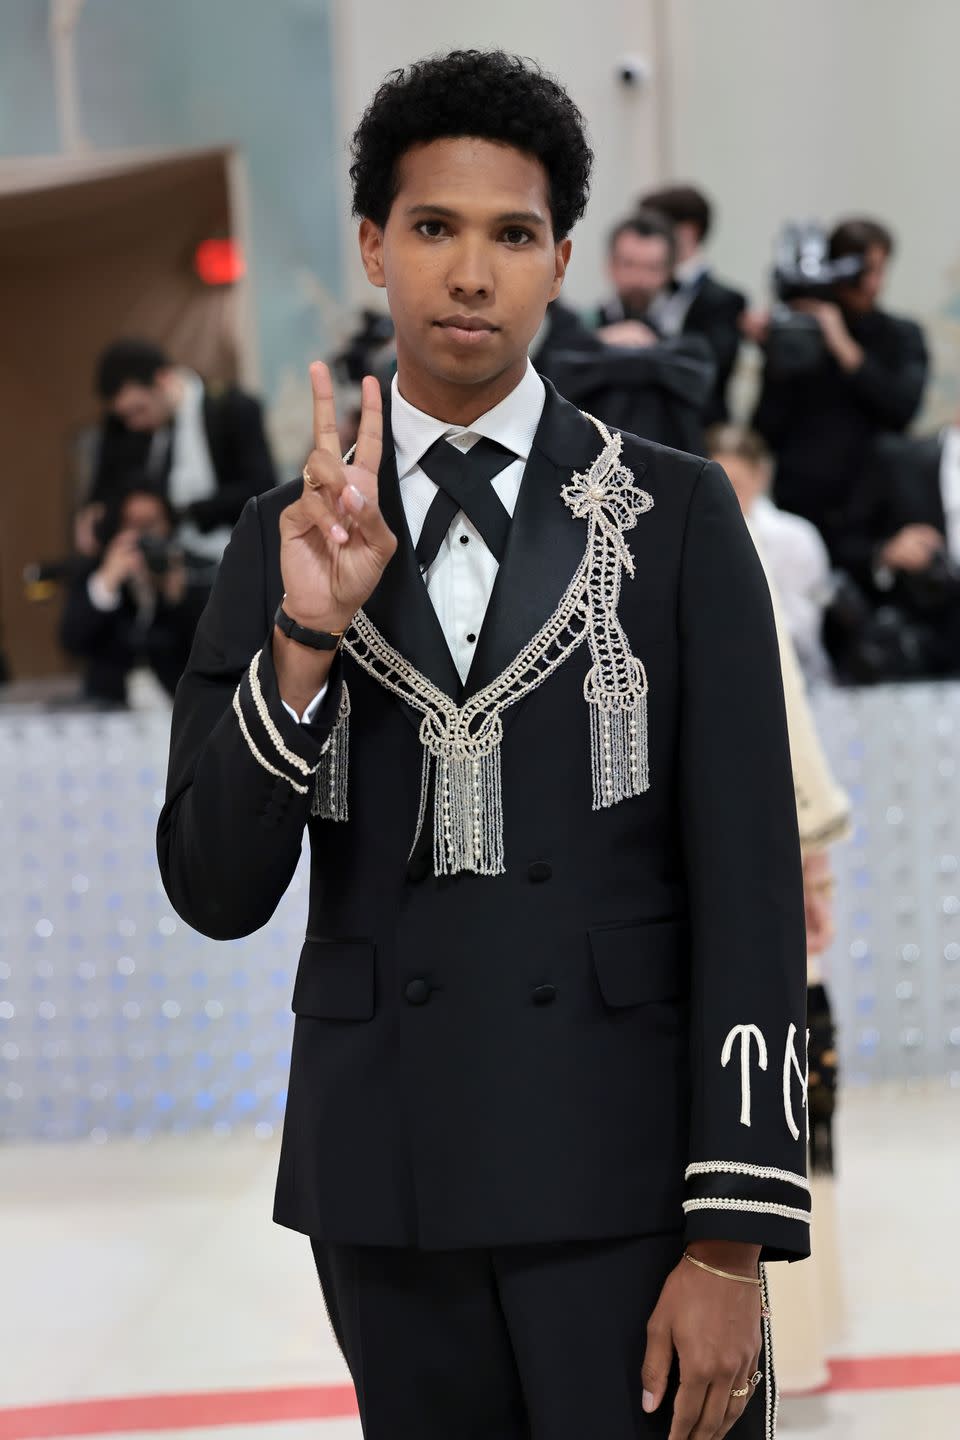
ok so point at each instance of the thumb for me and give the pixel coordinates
(656, 1364)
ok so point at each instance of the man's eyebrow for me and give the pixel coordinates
(510, 217)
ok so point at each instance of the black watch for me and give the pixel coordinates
(316, 639)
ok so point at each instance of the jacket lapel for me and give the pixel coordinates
(545, 544)
(400, 607)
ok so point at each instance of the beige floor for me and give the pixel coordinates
(136, 1269)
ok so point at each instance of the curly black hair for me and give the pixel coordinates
(486, 94)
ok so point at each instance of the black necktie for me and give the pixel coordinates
(463, 483)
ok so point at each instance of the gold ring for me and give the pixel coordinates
(740, 1393)
(308, 479)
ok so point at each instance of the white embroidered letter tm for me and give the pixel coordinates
(790, 1063)
(744, 1032)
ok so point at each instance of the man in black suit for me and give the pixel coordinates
(204, 447)
(903, 543)
(518, 678)
(697, 302)
(822, 424)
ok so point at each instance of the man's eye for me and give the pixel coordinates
(432, 229)
(516, 236)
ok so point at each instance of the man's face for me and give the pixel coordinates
(639, 267)
(865, 294)
(146, 514)
(142, 407)
(468, 259)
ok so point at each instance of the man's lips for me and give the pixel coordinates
(465, 322)
(467, 330)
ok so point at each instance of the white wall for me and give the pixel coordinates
(580, 43)
(779, 109)
(785, 110)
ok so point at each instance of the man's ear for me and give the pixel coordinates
(562, 260)
(371, 252)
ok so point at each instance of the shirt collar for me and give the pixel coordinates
(689, 271)
(512, 423)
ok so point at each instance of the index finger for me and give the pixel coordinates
(325, 436)
(370, 435)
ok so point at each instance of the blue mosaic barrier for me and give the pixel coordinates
(115, 1017)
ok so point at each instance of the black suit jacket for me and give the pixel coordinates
(715, 314)
(535, 1056)
(659, 392)
(900, 486)
(239, 453)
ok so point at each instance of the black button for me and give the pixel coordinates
(539, 870)
(544, 994)
(418, 869)
(464, 539)
(417, 992)
(470, 639)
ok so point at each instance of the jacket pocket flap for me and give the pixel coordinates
(335, 980)
(637, 963)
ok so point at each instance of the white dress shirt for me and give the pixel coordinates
(798, 562)
(950, 488)
(192, 476)
(668, 310)
(460, 581)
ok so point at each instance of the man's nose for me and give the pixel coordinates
(471, 273)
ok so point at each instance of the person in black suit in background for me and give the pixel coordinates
(821, 424)
(903, 543)
(204, 447)
(697, 302)
(517, 676)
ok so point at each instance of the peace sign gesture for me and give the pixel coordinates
(334, 542)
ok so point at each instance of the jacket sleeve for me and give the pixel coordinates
(892, 392)
(242, 771)
(747, 1165)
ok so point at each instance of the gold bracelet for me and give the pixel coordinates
(724, 1274)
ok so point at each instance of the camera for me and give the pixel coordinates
(159, 554)
(803, 270)
(366, 349)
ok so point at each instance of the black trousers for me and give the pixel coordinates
(538, 1342)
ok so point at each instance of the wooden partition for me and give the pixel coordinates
(84, 260)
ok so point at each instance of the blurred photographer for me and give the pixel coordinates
(839, 371)
(695, 302)
(138, 601)
(203, 447)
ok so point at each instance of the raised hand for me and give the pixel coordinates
(334, 542)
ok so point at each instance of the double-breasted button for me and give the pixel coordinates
(544, 994)
(417, 992)
(539, 870)
(418, 868)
